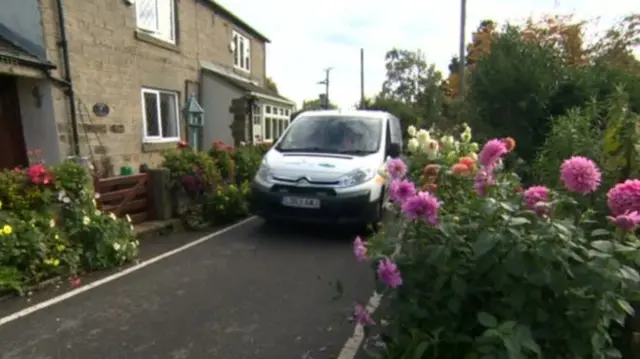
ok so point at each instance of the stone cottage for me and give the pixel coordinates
(110, 79)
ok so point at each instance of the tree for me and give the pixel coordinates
(479, 46)
(512, 88)
(315, 104)
(271, 85)
(412, 83)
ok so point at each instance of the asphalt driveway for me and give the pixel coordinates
(252, 292)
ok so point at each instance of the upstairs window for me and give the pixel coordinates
(241, 52)
(157, 18)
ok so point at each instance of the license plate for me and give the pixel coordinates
(299, 202)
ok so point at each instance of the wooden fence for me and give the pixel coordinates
(125, 195)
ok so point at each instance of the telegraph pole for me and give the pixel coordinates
(463, 20)
(361, 78)
(325, 82)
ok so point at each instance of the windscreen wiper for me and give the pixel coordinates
(304, 149)
(355, 152)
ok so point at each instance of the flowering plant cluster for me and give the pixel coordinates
(215, 182)
(49, 226)
(224, 155)
(479, 267)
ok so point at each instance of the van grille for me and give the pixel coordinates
(312, 191)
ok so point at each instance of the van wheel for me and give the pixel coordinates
(379, 215)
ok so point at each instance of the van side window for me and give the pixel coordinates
(388, 138)
(396, 130)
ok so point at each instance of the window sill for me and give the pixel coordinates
(150, 39)
(241, 71)
(159, 146)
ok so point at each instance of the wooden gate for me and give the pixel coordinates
(125, 195)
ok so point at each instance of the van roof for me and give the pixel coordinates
(345, 113)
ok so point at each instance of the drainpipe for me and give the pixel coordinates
(64, 46)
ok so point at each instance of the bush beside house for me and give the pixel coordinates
(213, 187)
(50, 226)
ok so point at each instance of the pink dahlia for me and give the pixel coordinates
(624, 197)
(422, 205)
(491, 153)
(362, 316)
(400, 190)
(484, 178)
(535, 195)
(389, 273)
(359, 249)
(397, 168)
(627, 221)
(580, 174)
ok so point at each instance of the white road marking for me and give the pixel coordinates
(351, 347)
(82, 289)
(353, 344)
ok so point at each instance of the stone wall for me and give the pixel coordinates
(111, 62)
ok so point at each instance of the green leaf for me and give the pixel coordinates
(630, 273)
(526, 340)
(624, 305)
(420, 350)
(519, 221)
(483, 245)
(603, 246)
(487, 320)
(513, 346)
(459, 285)
(437, 254)
(507, 207)
(600, 233)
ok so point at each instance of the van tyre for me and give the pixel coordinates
(378, 216)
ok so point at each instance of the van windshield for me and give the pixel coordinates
(333, 134)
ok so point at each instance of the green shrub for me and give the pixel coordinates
(42, 229)
(217, 182)
(226, 203)
(101, 240)
(223, 156)
(248, 159)
(605, 131)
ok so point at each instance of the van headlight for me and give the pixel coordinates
(264, 173)
(357, 177)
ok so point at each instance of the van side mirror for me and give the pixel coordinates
(394, 150)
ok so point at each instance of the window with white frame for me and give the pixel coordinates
(160, 115)
(241, 52)
(157, 18)
(275, 122)
(257, 115)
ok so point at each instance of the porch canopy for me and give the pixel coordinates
(17, 60)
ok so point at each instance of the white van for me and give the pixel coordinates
(324, 168)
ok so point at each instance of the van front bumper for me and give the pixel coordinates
(337, 208)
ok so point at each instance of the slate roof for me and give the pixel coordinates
(239, 83)
(236, 20)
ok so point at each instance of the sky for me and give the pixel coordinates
(309, 36)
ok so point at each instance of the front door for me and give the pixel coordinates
(13, 150)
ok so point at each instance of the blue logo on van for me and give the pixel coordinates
(326, 165)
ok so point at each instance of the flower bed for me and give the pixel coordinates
(214, 186)
(486, 269)
(50, 227)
